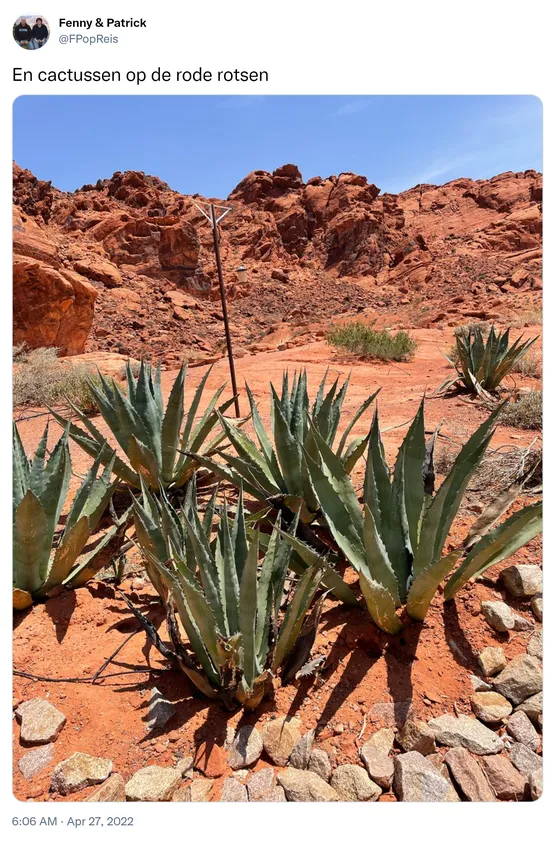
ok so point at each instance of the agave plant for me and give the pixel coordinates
(396, 543)
(275, 471)
(45, 553)
(152, 439)
(480, 368)
(228, 602)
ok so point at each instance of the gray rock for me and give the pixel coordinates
(301, 785)
(382, 740)
(469, 775)
(417, 736)
(36, 760)
(466, 732)
(233, 790)
(507, 783)
(40, 722)
(492, 660)
(185, 767)
(535, 645)
(78, 771)
(525, 760)
(522, 580)
(300, 756)
(417, 779)
(246, 747)
(280, 737)
(320, 763)
(200, 789)
(275, 794)
(522, 623)
(520, 679)
(537, 607)
(535, 782)
(378, 765)
(261, 784)
(153, 783)
(160, 711)
(490, 706)
(113, 789)
(498, 615)
(522, 730)
(352, 783)
(533, 707)
(478, 684)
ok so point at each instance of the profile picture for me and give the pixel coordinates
(31, 32)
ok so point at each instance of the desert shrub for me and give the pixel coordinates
(525, 412)
(529, 366)
(40, 379)
(361, 339)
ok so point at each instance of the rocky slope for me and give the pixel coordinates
(127, 265)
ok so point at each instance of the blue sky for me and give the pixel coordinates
(207, 144)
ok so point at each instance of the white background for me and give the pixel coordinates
(426, 47)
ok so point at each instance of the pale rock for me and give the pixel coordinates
(153, 783)
(525, 759)
(79, 771)
(260, 784)
(417, 779)
(466, 732)
(200, 789)
(490, 706)
(522, 730)
(535, 782)
(382, 740)
(498, 615)
(535, 645)
(522, 580)
(301, 785)
(533, 707)
(417, 736)
(520, 679)
(280, 737)
(113, 789)
(300, 756)
(233, 790)
(352, 783)
(246, 747)
(492, 660)
(507, 783)
(320, 763)
(537, 607)
(522, 623)
(469, 775)
(40, 722)
(36, 760)
(185, 767)
(378, 765)
(478, 684)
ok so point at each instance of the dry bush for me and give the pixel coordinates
(525, 412)
(530, 365)
(361, 339)
(40, 379)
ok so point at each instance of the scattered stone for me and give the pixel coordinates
(522, 623)
(537, 607)
(522, 730)
(507, 783)
(200, 789)
(492, 660)
(40, 722)
(382, 740)
(378, 765)
(490, 706)
(417, 779)
(498, 615)
(233, 790)
(466, 732)
(280, 737)
(300, 756)
(535, 645)
(320, 763)
(185, 767)
(160, 711)
(533, 707)
(153, 783)
(36, 760)
(520, 679)
(78, 771)
(525, 759)
(417, 736)
(535, 782)
(469, 775)
(260, 784)
(522, 580)
(352, 783)
(246, 748)
(478, 684)
(113, 789)
(301, 785)
(210, 759)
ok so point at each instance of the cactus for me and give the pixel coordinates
(152, 439)
(274, 469)
(45, 553)
(227, 602)
(396, 543)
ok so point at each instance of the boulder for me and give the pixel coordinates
(520, 679)
(40, 722)
(521, 729)
(522, 580)
(352, 783)
(320, 763)
(261, 784)
(417, 736)
(301, 785)
(233, 790)
(507, 783)
(533, 707)
(492, 660)
(466, 732)
(378, 765)
(535, 645)
(113, 789)
(79, 771)
(537, 607)
(417, 779)
(153, 783)
(490, 706)
(525, 760)
(535, 782)
(469, 775)
(246, 747)
(498, 615)
(280, 737)
(33, 762)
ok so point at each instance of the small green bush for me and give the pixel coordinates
(40, 379)
(526, 412)
(361, 339)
